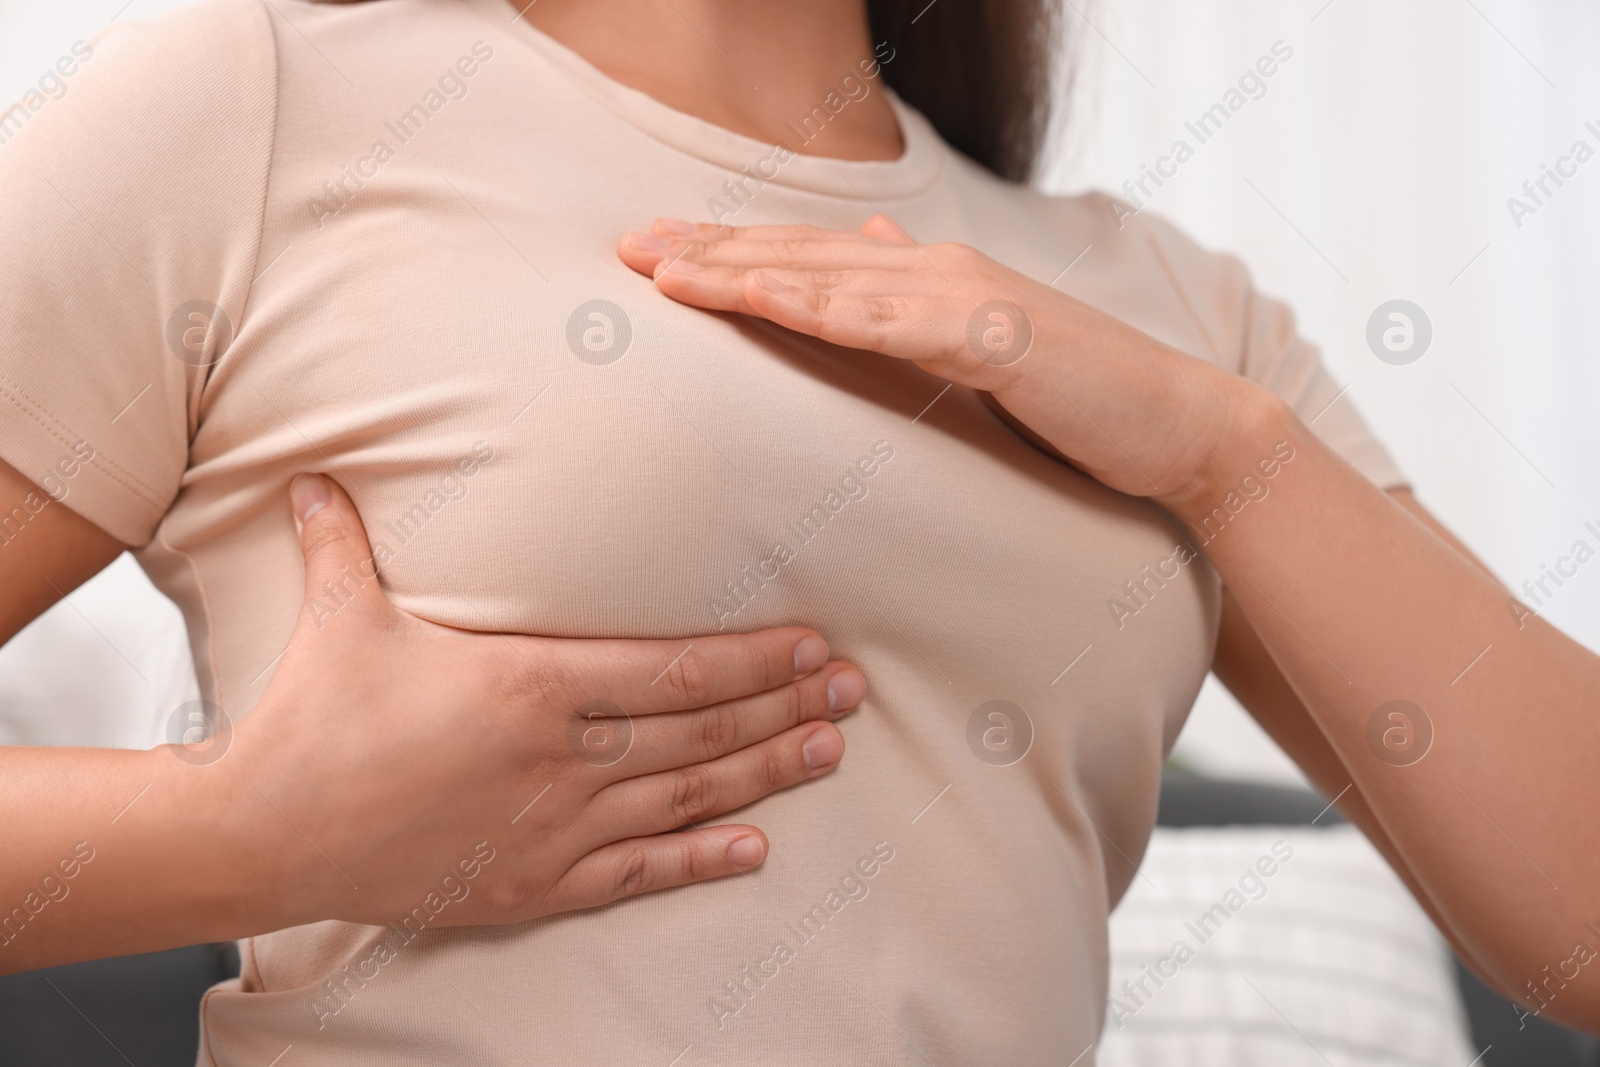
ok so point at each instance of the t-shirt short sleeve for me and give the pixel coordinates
(1255, 336)
(134, 175)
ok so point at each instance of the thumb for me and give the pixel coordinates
(884, 229)
(340, 571)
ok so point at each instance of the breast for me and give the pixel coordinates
(572, 454)
(710, 472)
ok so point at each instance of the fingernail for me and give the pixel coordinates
(648, 242)
(308, 494)
(769, 283)
(674, 226)
(845, 690)
(810, 653)
(746, 851)
(684, 266)
(823, 748)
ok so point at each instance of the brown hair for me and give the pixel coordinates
(981, 73)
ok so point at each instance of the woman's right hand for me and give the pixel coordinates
(393, 761)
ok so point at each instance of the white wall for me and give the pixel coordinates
(1376, 166)
(1391, 141)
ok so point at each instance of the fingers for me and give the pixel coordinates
(645, 252)
(663, 742)
(879, 227)
(895, 313)
(648, 864)
(860, 293)
(649, 677)
(338, 560)
(879, 244)
(901, 326)
(883, 228)
(874, 290)
(679, 229)
(654, 803)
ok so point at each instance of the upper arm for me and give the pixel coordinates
(128, 243)
(46, 551)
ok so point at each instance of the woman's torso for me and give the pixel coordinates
(658, 471)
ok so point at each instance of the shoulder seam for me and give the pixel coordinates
(265, 24)
(1182, 294)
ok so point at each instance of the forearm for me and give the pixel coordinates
(1245, 666)
(1360, 604)
(109, 852)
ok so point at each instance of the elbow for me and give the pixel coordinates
(1577, 1005)
(1565, 990)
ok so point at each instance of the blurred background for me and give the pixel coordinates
(1374, 165)
(1377, 167)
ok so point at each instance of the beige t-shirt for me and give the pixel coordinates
(378, 240)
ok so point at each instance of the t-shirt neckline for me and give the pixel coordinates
(919, 165)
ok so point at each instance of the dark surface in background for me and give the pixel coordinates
(144, 1010)
(1190, 800)
(1517, 1042)
(141, 1010)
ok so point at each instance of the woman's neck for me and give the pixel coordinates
(751, 66)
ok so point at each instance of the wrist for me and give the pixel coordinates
(1256, 433)
(216, 847)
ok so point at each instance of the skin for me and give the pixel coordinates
(700, 56)
(1140, 417)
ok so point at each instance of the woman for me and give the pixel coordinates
(403, 243)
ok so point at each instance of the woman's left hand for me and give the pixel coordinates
(1138, 415)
